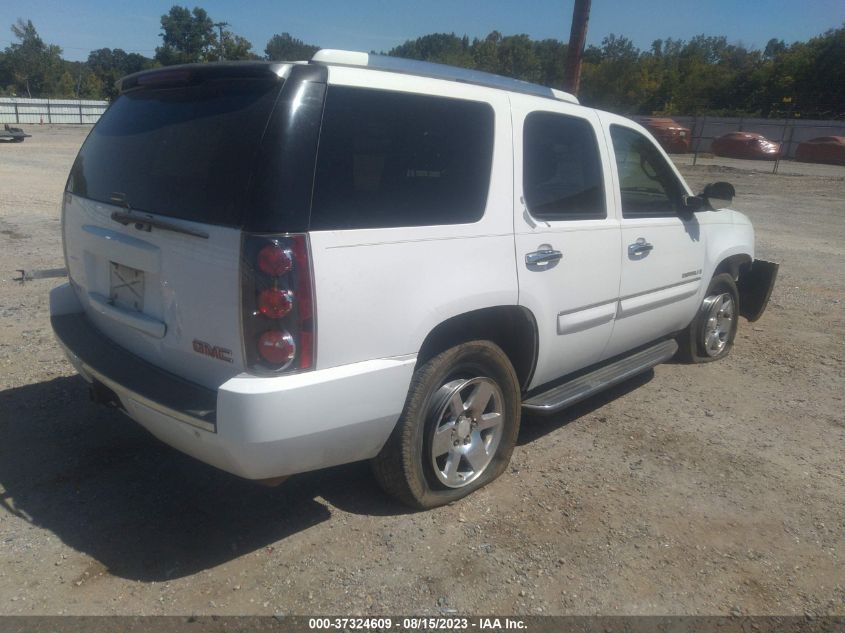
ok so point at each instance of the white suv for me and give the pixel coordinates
(278, 267)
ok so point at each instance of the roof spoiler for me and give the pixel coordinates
(191, 74)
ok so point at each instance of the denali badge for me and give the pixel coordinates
(220, 353)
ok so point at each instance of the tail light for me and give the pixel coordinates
(277, 303)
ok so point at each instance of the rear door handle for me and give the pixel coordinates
(544, 256)
(640, 247)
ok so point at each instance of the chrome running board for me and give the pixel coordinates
(584, 386)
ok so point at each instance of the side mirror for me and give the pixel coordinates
(694, 203)
(718, 194)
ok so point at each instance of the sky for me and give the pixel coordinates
(80, 26)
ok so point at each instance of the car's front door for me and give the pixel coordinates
(567, 236)
(662, 249)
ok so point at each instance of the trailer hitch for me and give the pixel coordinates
(47, 273)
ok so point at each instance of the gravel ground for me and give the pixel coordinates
(708, 489)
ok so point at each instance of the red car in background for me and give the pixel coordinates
(672, 136)
(746, 145)
(824, 149)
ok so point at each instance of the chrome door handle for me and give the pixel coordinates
(640, 247)
(545, 256)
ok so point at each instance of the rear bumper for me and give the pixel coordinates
(97, 358)
(250, 426)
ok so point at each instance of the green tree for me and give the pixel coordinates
(442, 48)
(30, 61)
(516, 58)
(512, 55)
(90, 86)
(613, 78)
(110, 64)
(65, 87)
(285, 47)
(815, 75)
(236, 47)
(551, 57)
(704, 75)
(187, 36)
(774, 47)
(485, 52)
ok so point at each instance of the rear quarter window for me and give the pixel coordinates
(391, 159)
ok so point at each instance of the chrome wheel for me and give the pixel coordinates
(467, 430)
(719, 323)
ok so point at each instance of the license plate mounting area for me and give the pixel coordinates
(126, 287)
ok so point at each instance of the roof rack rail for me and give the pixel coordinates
(437, 71)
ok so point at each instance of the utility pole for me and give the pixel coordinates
(220, 26)
(577, 38)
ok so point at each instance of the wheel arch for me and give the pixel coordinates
(511, 327)
(733, 265)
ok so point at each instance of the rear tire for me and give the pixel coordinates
(457, 430)
(711, 334)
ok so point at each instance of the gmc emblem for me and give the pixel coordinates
(207, 349)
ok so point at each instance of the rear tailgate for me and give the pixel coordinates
(153, 215)
(171, 298)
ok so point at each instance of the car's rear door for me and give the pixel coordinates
(566, 234)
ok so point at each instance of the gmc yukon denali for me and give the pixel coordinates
(279, 267)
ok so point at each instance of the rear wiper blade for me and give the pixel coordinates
(146, 223)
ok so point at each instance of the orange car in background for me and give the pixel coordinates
(672, 136)
(824, 149)
(746, 145)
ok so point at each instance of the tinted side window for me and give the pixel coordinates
(561, 169)
(649, 187)
(390, 159)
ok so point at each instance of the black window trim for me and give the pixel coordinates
(566, 217)
(680, 190)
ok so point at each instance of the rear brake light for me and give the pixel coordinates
(164, 77)
(277, 303)
(274, 260)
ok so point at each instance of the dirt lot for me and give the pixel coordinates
(692, 490)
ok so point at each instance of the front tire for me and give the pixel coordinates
(458, 428)
(711, 334)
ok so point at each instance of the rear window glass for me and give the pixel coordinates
(184, 152)
(389, 159)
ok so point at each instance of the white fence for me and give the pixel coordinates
(20, 110)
